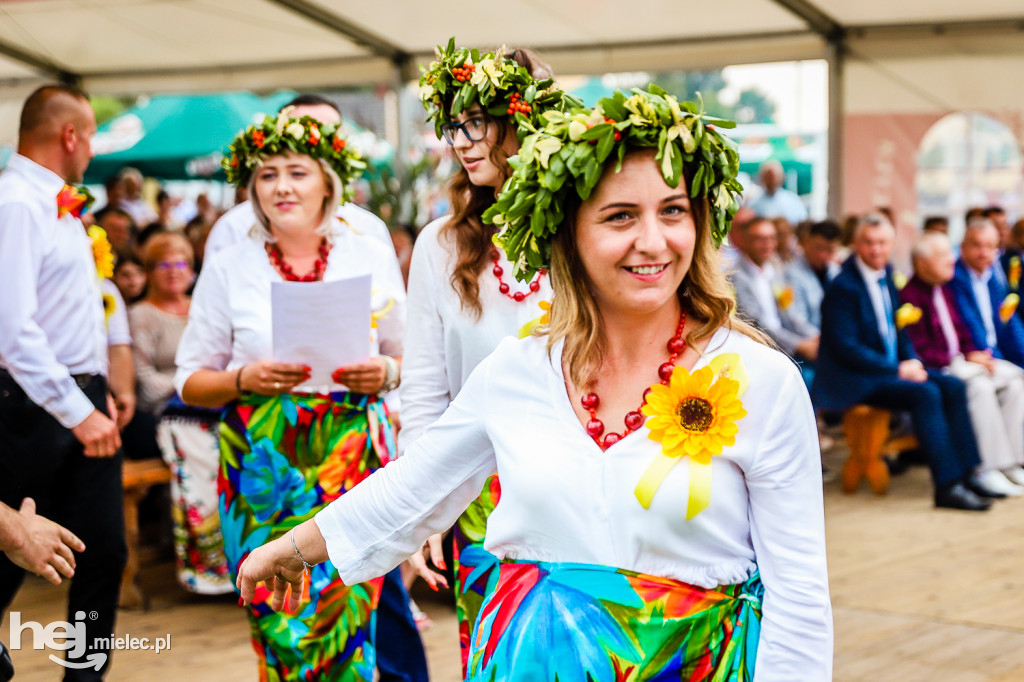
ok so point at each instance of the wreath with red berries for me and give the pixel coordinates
(281, 134)
(460, 78)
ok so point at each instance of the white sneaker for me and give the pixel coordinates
(995, 481)
(1015, 475)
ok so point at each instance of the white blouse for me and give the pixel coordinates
(229, 321)
(444, 343)
(564, 499)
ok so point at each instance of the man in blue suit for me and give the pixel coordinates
(865, 358)
(981, 295)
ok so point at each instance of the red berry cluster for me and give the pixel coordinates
(314, 135)
(258, 138)
(338, 144)
(462, 73)
(517, 104)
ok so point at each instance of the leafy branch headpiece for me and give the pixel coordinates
(568, 153)
(459, 78)
(281, 134)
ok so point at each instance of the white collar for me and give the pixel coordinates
(40, 176)
(868, 273)
(983, 278)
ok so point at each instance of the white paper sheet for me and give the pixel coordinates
(325, 325)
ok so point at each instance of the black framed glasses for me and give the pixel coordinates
(475, 129)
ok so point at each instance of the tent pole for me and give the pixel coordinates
(836, 56)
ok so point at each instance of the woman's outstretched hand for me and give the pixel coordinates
(276, 565)
(419, 563)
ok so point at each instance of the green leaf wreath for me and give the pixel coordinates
(282, 134)
(568, 152)
(459, 78)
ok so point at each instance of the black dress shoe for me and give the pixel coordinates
(975, 485)
(958, 496)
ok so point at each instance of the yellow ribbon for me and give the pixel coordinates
(727, 365)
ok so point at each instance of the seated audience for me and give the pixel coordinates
(995, 388)
(987, 305)
(131, 197)
(1001, 221)
(763, 297)
(814, 268)
(187, 435)
(1012, 258)
(777, 201)
(866, 359)
(129, 276)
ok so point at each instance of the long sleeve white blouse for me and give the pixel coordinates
(444, 342)
(564, 499)
(230, 320)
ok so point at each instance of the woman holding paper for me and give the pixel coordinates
(463, 298)
(295, 437)
(661, 515)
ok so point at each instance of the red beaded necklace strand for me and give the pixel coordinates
(315, 275)
(635, 419)
(519, 296)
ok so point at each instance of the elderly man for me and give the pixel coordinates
(995, 388)
(865, 358)
(813, 270)
(58, 443)
(763, 297)
(777, 201)
(982, 295)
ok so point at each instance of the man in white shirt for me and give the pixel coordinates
(58, 443)
(777, 201)
(234, 226)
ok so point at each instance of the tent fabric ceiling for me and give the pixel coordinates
(135, 46)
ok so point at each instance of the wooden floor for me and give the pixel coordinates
(919, 595)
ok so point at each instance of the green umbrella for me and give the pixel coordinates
(176, 137)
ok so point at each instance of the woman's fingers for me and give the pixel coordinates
(436, 551)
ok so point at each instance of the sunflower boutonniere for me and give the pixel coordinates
(694, 416)
(102, 252)
(1013, 274)
(784, 296)
(907, 315)
(1008, 307)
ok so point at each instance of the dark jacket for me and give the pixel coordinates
(1009, 335)
(926, 335)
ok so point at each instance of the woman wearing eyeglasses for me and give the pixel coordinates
(463, 299)
(187, 435)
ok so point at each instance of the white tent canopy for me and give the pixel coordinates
(909, 56)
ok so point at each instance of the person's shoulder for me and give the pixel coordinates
(240, 212)
(364, 222)
(520, 357)
(765, 366)
(433, 243)
(431, 233)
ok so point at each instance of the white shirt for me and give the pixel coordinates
(979, 284)
(764, 289)
(118, 330)
(51, 311)
(871, 277)
(564, 499)
(946, 321)
(782, 204)
(229, 320)
(443, 342)
(233, 227)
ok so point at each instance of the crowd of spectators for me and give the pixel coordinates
(943, 344)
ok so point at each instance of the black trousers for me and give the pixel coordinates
(41, 459)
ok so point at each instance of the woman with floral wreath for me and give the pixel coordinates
(688, 542)
(289, 447)
(463, 299)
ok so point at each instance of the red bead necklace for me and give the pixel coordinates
(315, 275)
(635, 419)
(519, 296)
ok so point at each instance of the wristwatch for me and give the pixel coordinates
(392, 374)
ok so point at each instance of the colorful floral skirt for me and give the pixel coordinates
(475, 567)
(283, 459)
(581, 623)
(188, 442)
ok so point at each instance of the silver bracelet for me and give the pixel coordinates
(392, 374)
(305, 564)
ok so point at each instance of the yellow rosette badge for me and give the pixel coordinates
(102, 252)
(1014, 274)
(693, 416)
(907, 315)
(784, 297)
(1008, 307)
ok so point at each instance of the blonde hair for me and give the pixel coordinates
(159, 245)
(260, 230)
(704, 294)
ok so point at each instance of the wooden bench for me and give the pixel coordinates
(137, 478)
(867, 434)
